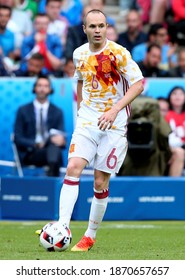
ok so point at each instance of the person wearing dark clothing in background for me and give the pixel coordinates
(133, 35)
(38, 131)
(34, 66)
(150, 65)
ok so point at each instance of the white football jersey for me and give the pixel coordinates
(107, 75)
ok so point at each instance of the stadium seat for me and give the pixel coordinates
(18, 164)
(13, 164)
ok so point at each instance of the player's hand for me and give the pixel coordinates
(107, 119)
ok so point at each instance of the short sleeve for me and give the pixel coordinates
(129, 68)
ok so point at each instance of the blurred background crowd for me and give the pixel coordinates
(40, 36)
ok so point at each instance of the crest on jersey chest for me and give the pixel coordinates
(106, 66)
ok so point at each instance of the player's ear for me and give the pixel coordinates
(84, 28)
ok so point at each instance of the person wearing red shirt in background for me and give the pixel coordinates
(177, 28)
(178, 8)
(176, 163)
(48, 45)
(176, 116)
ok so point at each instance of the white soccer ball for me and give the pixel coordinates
(55, 237)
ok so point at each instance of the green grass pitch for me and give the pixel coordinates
(121, 240)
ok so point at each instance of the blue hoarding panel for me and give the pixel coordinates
(30, 198)
(136, 198)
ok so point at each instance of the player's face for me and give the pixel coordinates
(95, 29)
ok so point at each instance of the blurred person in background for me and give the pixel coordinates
(142, 6)
(179, 70)
(49, 45)
(100, 5)
(169, 57)
(150, 65)
(112, 33)
(58, 24)
(7, 39)
(4, 72)
(20, 24)
(158, 11)
(176, 163)
(178, 8)
(71, 10)
(177, 25)
(68, 72)
(33, 67)
(139, 51)
(68, 68)
(127, 5)
(163, 105)
(29, 6)
(76, 36)
(176, 116)
(133, 35)
(38, 130)
(158, 34)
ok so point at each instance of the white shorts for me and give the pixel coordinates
(107, 149)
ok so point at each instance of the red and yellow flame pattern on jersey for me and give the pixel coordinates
(106, 76)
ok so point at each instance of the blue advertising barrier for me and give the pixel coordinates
(30, 198)
(137, 198)
(131, 198)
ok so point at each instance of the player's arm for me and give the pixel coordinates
(107, 119)
(79, 93)
(134, 90)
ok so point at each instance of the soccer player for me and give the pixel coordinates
(108, 81)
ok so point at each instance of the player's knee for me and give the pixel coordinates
(101, 183)
(73, 169)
